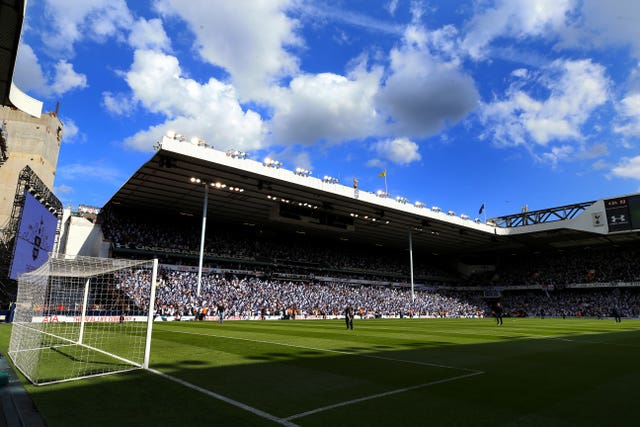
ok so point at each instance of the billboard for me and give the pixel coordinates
(634, 211)
(623, 213)
(35, 238)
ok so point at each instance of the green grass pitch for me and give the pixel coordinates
(528, 372)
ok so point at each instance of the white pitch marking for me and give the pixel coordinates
(375, 396)
(230, 401)
(581, 341)
(415, 362)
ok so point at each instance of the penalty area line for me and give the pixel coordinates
(379, 395)
(225, 399)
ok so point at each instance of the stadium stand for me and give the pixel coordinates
(256, 272)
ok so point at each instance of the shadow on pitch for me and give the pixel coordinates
(526, 381)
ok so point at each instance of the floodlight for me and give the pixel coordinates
(237, 154)
(302, 172)
(271, 163)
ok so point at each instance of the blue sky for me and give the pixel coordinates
(507, 103)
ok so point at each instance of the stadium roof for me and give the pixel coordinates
(12, 14)
(247, 193)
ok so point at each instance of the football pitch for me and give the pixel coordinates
(552, 372)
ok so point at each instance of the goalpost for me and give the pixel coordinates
(79, 317)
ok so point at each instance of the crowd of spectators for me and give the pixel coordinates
(558, 269)
(246, 297)
(573, 302)
(254, 297)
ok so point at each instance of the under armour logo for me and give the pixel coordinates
(618, 219)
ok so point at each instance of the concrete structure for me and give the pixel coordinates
(81, 236)
(29, 141)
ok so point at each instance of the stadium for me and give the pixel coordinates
(214, 287)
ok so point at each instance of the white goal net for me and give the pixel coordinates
(79, 317)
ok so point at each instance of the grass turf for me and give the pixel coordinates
(534, 372)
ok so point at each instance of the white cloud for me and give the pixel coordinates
(30, 77)
(605, 23)
(292, 157)
(72, 21)
(445, 43)
(600, 165)
(66, 79)
(207, 110)
(149, 35)
(28, 74)
(119, 104)
(593, 152)
(629, 112)
(316, 12)
(71, 132)
(558, 154)
(520, 73)
(392, 6)
(88, 171)
(375, 163)
(575, 90)
(400, 151)
(424, 92)
(628, 168)
(63, 189)
(326, 107)
(248, 39)
(302, 160)
(517, 19)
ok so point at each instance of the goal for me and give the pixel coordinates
(79, 317)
